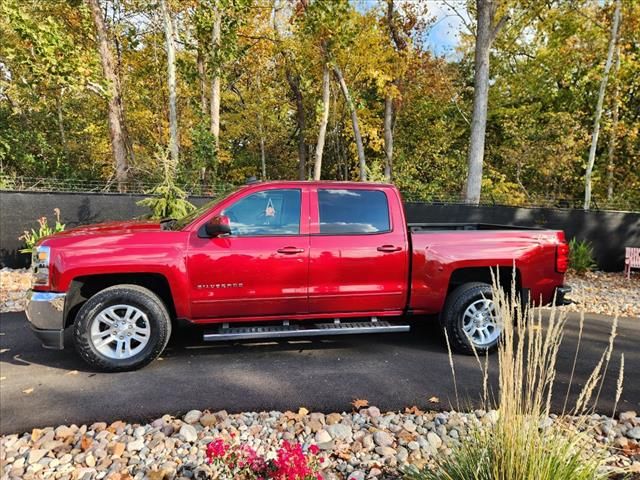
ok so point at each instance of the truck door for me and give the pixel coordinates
(261, 268)
(359, 251)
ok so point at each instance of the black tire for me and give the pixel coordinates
(139, 297)
(452, 317)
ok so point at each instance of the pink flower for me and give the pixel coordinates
(313, 449)
(216, 449)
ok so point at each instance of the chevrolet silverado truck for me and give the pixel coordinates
(282, 259)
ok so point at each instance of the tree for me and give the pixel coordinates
(215, 75)
(486, 31)
(116, 130)
(324, 120)
(174, 143)
(598, 110)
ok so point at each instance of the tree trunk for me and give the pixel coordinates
(485, 9)
(63, 136)
(294, 83)
(215, 78)
(614, 130)
(202, 73)
(388, 137)
(598, 112)
(324, 120)
(263, 155)
(174, 144)
(354, 120)
(116, 131)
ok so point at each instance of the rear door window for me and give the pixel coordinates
(353, 211)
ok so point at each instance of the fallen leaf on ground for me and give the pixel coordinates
(414, 410)
(360, 403)
(434, 400)
(303, 411)
(28, 391)
(86, 443)
(72, 372)
(3, 350)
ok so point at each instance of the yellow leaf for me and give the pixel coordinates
(28, 391)
(359, 403)
(303, 411)
(434, 400)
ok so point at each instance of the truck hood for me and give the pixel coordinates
(111, 228)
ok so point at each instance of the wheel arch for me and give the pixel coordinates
(502, 274)
(82, 288)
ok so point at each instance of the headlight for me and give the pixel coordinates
(40, 265)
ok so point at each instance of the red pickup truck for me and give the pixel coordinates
(282, 259)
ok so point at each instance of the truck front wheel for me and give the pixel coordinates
(121, 328)
(471, 320)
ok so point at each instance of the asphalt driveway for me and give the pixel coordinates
(43, 387)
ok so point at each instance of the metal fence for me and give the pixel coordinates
(137, 187)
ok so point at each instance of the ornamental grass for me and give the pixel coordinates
(521, 444)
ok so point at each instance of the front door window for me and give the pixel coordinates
(266, 213)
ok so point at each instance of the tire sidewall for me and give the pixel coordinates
(144, 300)
(454, 311)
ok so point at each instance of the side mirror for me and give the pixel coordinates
(217, 226)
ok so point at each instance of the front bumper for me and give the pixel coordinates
(45, 312)
(561, 293)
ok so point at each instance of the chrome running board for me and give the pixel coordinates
(291, 331)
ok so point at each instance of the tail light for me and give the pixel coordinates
(562, 257)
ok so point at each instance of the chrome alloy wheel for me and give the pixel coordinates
(120, 331)
(480, 322)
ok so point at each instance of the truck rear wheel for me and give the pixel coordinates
(120, 328)
(471, 320)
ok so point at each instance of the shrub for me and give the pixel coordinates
(581, 256)
(519, 445)
(243, 462)
(34, 236)
(167, 200)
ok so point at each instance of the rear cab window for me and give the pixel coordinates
(353, 211)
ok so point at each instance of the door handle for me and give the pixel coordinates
(290, 250)
(389, 248)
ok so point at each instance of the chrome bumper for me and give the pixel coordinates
(45, 312)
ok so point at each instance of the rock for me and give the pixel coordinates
(192, 416)
(323, 436)
(634, 433)
(90, 460)
(382, 438)
(333, 418)
(402, 454)
(413, 445)
(385, 451)
(36, 454)
(189, 433)
(208, 420)
(135, 445)
(434, 440)
(356, 475)
(118, 450)
(63, 432)
(373, 412)
(368, 442)
(340, 431)
(627, 416)
(491, 416)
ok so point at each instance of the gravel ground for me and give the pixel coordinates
(594, 292)
(605, 293)
(355, 446)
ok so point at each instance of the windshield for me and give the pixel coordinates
(190, 217)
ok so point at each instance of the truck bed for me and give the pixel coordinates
(431, 227)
